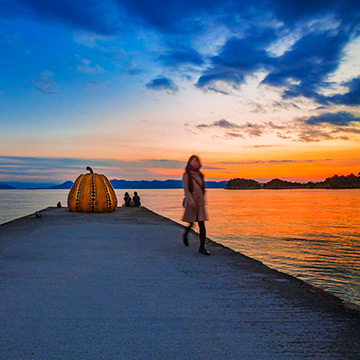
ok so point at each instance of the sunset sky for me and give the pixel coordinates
(258, 89)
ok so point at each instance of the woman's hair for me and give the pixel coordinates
(188, 170)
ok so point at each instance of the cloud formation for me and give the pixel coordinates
(184, 56)
(248, 128)
(326, 126)
(96, 16)
(342, 118)
(86, 68)
(298, 44)
(162, 83)
(274, 162)
(44, 83)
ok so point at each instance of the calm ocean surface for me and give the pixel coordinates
(311, 234)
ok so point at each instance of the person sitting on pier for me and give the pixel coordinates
(194, 188)
(136, 199)
(127, 200)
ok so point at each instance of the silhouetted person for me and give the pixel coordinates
(194, 188)
(136, 199)
(59, 204)
(127, 199)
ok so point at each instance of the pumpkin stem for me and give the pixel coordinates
(90, 169)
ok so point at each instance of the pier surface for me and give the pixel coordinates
(122, 286)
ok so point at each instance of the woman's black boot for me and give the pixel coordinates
(185, 239)
(185, 235)
(202, 250)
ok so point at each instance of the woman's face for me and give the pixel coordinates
(195, 164)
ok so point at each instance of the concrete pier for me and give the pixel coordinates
(122, 286)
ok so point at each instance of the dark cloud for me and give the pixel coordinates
(327, 126)
(313, 135)
(341, 118)
(174, 58)
(274, 126)
(304, 68)
(238, 58)
(234, 135)
(222, 123)
(352, 97)
(88, 15)
(251, 129)
(180, 16)
(320, 30)
(162, 83)
(295, 11)
(173, 17)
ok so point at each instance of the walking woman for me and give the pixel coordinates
(194, 188)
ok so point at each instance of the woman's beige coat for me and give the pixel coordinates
(196, 197)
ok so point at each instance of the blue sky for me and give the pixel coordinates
(125, 83)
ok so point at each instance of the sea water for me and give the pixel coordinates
(313, 234)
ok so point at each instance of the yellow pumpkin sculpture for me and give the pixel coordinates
(92, 193)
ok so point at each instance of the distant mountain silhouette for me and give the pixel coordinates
(117, 184)
(6, 187)
(65, 185)
(159, 184)
(27, 185)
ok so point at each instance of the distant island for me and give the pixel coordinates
(336, 182)
(242, 184)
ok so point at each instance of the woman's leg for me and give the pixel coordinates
(202, 238)
(185, 235)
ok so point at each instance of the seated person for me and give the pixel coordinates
(127, 199)
(136, 199)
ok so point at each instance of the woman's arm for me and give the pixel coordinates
(188, 195)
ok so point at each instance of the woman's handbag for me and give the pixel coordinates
(202, 188)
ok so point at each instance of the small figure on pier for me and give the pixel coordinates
(136, 199)
(127, 200)
(58, 204)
